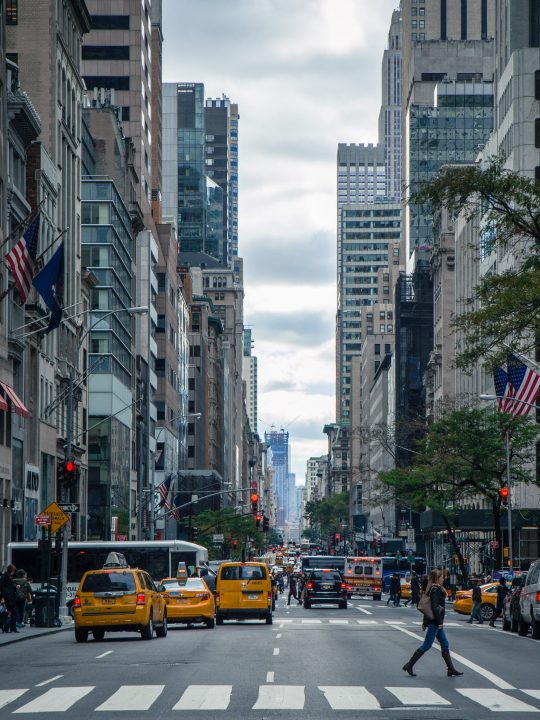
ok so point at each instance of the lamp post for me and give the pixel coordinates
(69, 439)
(508, 478)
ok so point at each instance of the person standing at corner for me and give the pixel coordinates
(434, 626)
(476, 611)
(292, 589)
(499, 604)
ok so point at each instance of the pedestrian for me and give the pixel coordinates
(415, 588)
(423, 583)
(502, 591)
(434, 625)
(23, 595)
(476, 611)
(8, 593)
(395, 589)
(292, 589)
(300, 588)
(281, 584)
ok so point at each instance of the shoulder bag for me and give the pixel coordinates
(424, 606)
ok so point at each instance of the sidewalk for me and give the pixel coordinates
(27, 633)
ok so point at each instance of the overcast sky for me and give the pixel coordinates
(306, 75)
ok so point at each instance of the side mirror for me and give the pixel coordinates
(161, 588)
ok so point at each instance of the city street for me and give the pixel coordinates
(322, 662)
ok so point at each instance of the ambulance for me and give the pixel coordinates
(364, 576)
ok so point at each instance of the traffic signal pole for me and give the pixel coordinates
(62, 611)
(510, 543)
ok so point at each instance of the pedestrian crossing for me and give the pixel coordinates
(140, 698)
(306, 622)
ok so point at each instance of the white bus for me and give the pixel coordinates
(159, 558)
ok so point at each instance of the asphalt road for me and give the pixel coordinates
(311, 664)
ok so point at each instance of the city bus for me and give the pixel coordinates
(402, 565)
(159, 558)
(311, 562)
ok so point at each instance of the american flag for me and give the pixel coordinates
(22, 257)
(176, 512)
(165, 492)
(526, 384)
(504, 390)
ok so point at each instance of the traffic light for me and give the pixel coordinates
(255, 503)
(266, 524)
(504, 494)
(258, 519)
(70, 473)
(194, 533)
(234, 542)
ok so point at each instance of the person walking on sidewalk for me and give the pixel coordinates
(8, 593)
(433, 625)
(23, 596)
(476, 611)
(502, 590)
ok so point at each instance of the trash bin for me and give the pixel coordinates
(44, 608)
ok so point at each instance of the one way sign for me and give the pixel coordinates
(70, 507)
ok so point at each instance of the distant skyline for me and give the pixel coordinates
(306, 75)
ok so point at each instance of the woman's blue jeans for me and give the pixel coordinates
(433, 632)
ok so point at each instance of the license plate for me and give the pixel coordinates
(326, 587)
(253, 597)
(108, 601)
(181, 600)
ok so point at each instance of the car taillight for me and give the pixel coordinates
(77, 601)
(140, 599)
(269, 596)
(538, 597)
(343, 585)
(309, 586)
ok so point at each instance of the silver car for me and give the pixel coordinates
(529, 603)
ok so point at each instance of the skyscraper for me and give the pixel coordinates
(250, 378)
(390, 114)
(278, 440)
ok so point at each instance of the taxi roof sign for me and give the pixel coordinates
(58, 518)
(115, 559)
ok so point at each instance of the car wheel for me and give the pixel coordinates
(219, 620)
(523, 627)
(210, 623)
(307, 604)
(376, 597)
(147, 631)
(535, 627)
(162, 630)
(98, 635)
(349, 596)
(487, 611)
(273, 605)
(269, 619)
(343, 605)
(505, 624)
(81, 635)
(514, 623)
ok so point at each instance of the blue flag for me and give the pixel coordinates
(49, 283)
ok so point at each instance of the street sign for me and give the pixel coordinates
(57, 515)
(218, 538)
(70, 507)
(43, 519)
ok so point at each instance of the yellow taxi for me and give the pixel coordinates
(463, 602)
(116, 598)
(189, 601)
(405, 589)
(243, 590)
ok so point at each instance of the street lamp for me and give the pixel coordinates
(508, 478)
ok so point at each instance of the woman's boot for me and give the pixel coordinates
(408, 667)
(448, 660)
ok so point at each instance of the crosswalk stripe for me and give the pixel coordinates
(533, 693)
(311, 622)
(338, 622)
(367, 622)
(394, 622)
(353, 697)
(417, 696)
(205, 697)
(496, 700)
(57, 699)
(280, 697)
(132, 697)
(7, 696)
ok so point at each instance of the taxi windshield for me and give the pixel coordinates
(194, 584)
(109, 581)
(242, 572)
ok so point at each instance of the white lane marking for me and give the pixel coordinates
(367, 612)
(286, 621)
(269, 677)
(278, 636)
(98, 657)
(496, 700)
(7, 696)
(280, 697)
(311, 622)
(276, 651)
(453, 624)
(533, 693)
(367, 622)
(132, 697)
(417, 696)
(57, 699)
(338, 622)
(50, 680)
(495, 679)
(345, 697)
(205, 697)
(394, 622)
(281, 625)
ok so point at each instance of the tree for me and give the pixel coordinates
(462, 460)
(233, 526)
(329, 513)
(505, 307)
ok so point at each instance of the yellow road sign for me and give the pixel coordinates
(57, 515)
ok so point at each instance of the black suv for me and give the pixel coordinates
(325, 586)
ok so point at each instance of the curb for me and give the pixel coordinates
(50, 631)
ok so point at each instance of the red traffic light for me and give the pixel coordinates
(504, 492)
(70, 466)
(254, 498)
(258, 518)
(235, 542)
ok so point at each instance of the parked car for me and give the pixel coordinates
(529, 603)
(511, 614)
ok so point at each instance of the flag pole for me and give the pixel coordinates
(22, 225)
(56, 239)
(525, 359)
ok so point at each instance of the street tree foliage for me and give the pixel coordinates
(461, 462)
(505, 307)
(329, 514)
(233, 526)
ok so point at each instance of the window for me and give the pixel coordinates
(105, 52)
(191, 451)
(110, 22)
(125, 113)
(12, 12)
(377, 349)
(116, 82)
(387, 348)
(443, 20)
(160, 367)
(161, 324)
(382, 328)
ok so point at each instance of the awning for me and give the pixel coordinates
(3, 404)
(17, 404)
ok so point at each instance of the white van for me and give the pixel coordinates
(529, 603)
(364, 576)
